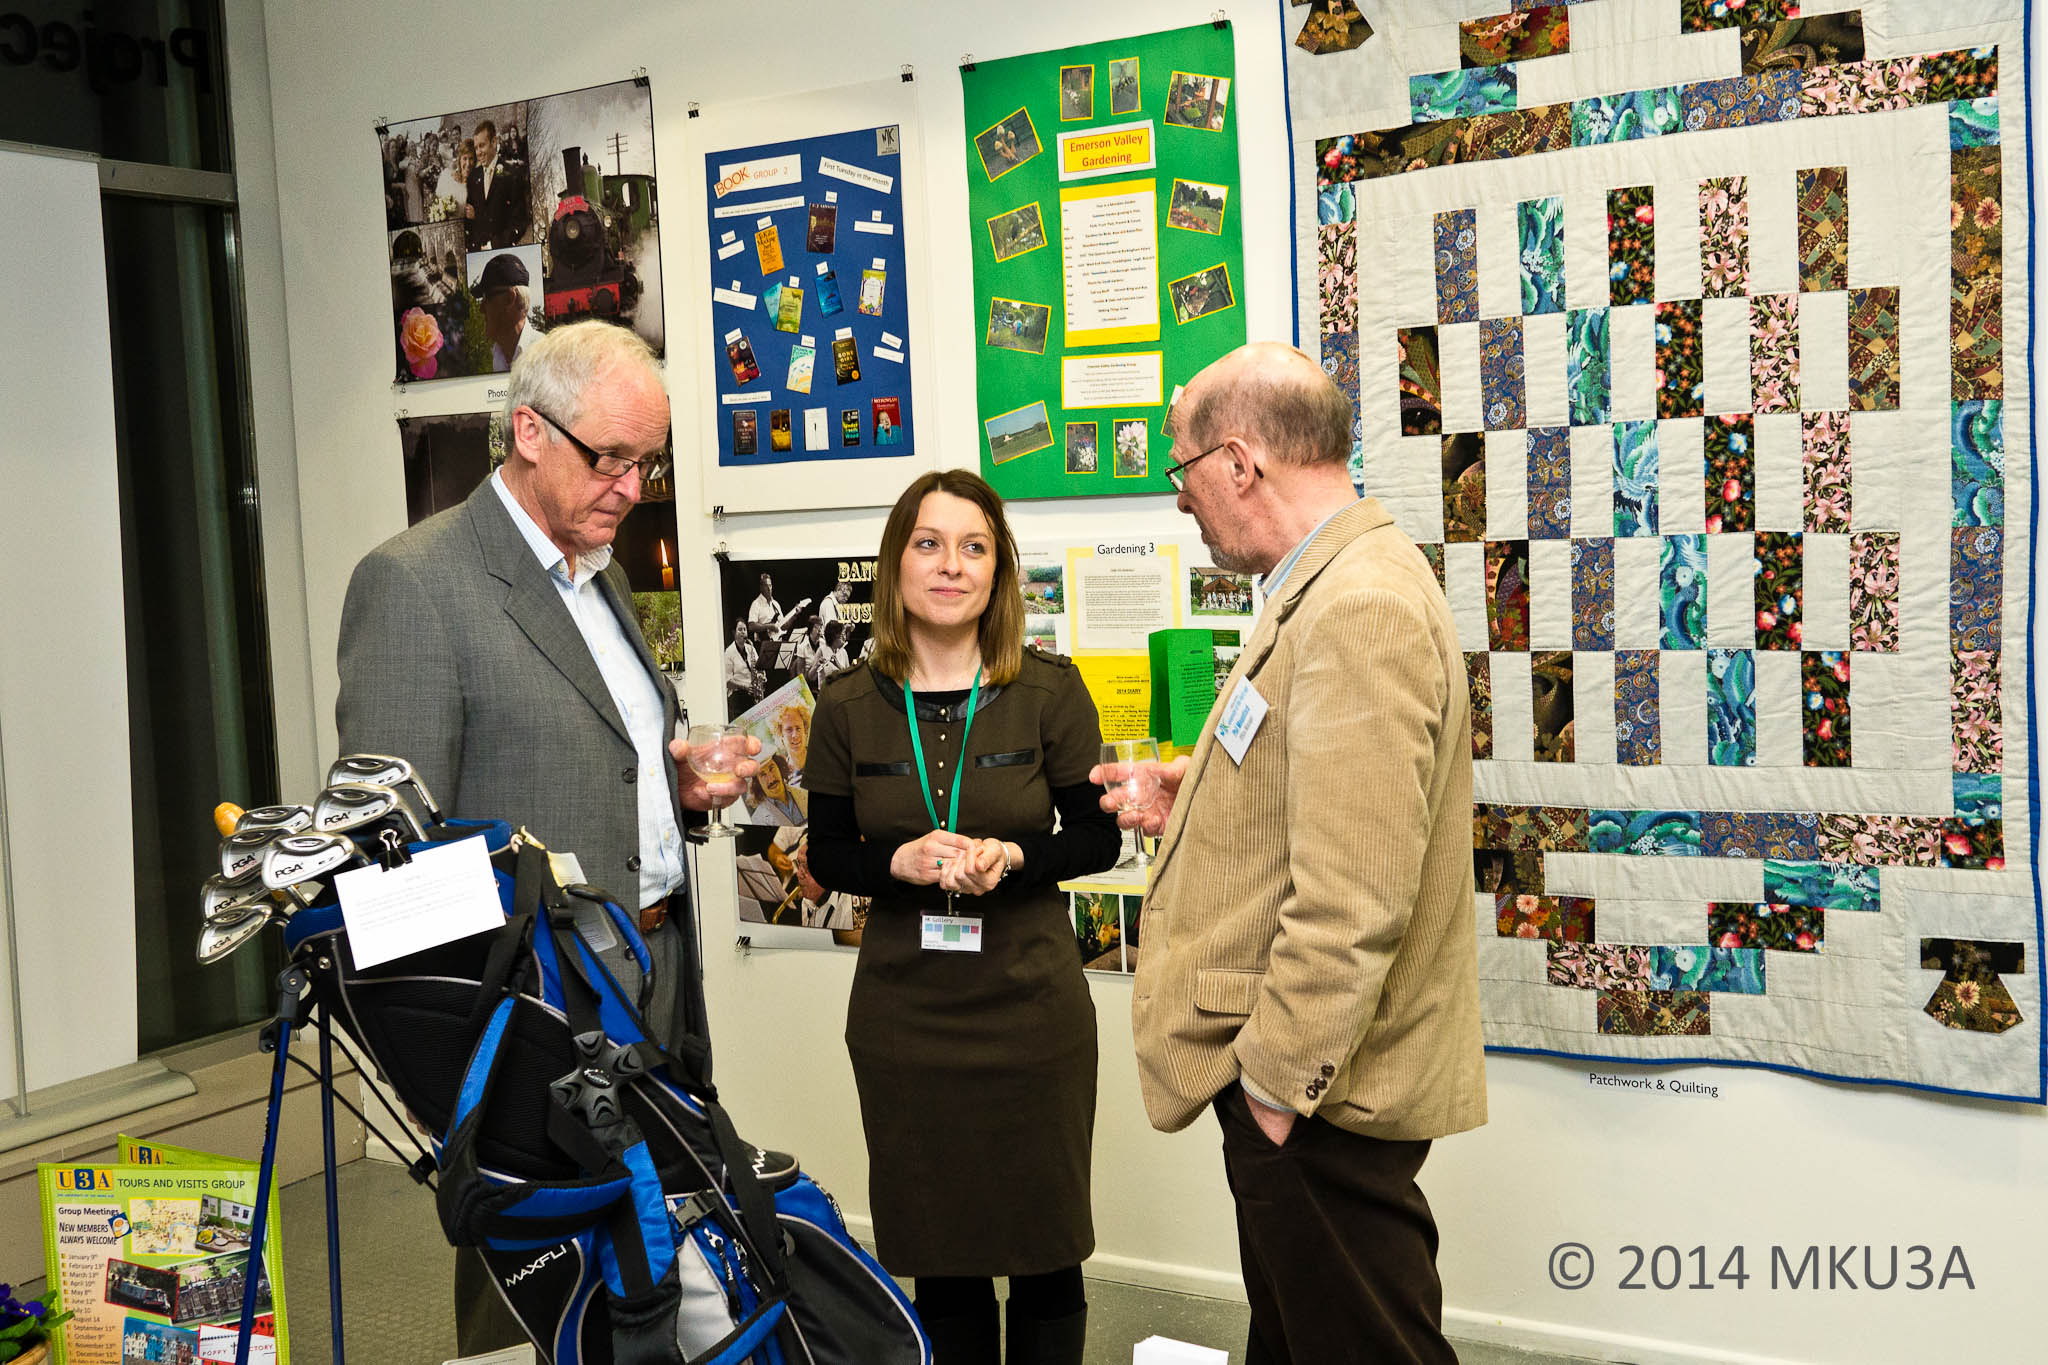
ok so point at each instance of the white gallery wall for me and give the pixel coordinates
(63, 646)
(1768, 1161)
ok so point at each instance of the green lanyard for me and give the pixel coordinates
(924, 781)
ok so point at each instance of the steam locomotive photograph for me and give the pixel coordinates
(505, 220)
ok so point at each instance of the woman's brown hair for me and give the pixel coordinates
(1002, 622)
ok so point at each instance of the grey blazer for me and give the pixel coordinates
(457, 654)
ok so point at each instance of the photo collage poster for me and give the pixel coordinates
(151, 1256)
(789, 625)
(1108, 263)
(505, 220)
(810, 315)
(446, 458)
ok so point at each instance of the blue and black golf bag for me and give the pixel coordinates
(623, 1218)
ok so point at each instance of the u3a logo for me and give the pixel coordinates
(78, 1178)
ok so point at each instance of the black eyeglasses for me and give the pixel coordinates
(604, 465)
(1176, 474)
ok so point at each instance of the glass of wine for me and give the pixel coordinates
(1130, 773)
(715, 752)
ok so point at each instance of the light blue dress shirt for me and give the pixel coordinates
(634, 691)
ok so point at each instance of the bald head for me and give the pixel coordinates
(1272, 395)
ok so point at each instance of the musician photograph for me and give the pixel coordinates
(801, 618)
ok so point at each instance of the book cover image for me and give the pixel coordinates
(789, 309)
(768, 246)
(739, 353)
(746, 432)
(849, 426)
(846, 359)
(874, 282)
(828, 291)
(823, 232)
(778, 429)
(888, 421)
(803, 358)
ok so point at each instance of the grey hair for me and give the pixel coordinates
(552, 373)
(1295, 410)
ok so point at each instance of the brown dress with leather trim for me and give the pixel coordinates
(976, 1071)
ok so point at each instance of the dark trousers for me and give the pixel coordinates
(482, 1321)
(1337, 1243)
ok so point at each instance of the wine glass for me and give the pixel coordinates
(715, 752)
(1130, 773)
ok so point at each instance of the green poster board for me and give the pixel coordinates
(1108, 267)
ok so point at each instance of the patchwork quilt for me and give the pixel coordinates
(1685, 340)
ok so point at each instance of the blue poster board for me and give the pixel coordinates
(821, 217)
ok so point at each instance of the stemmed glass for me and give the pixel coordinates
(1130, 773)
(715, 752)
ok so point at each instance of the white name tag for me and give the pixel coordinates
(1242, 716)
(951, 934)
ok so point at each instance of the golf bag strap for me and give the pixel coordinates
(462, 1188)
(532, 881)
(759, 1227)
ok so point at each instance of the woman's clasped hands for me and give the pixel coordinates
(954, 863)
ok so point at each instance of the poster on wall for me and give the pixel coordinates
(503, 221)
(789, 624)
(1108, 265)
(812, 298)
(1100, 603)
(447, 457)
(1107, 911)
(1748, 637)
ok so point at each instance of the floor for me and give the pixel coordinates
(397, 1272)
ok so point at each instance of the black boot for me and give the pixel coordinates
(1047, 1341)
(965, 1338)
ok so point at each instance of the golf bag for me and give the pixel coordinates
(595, 1171)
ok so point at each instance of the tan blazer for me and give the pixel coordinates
(1310, 921)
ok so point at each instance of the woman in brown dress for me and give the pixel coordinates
(935, 770)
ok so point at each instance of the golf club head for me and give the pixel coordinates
(218, 890)
(290, 819)
(351, 805)
(230, 910)
(296, 858)
(241, 853)
(383, 770)
(216, 941)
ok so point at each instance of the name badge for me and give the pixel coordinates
(1242, 716)
(952, 934)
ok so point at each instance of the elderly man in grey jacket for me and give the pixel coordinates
(494, 645)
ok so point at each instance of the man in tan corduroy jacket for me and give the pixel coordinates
(1309, 965)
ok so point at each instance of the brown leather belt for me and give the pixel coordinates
(654, 916)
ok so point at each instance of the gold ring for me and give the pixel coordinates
(940, 861)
